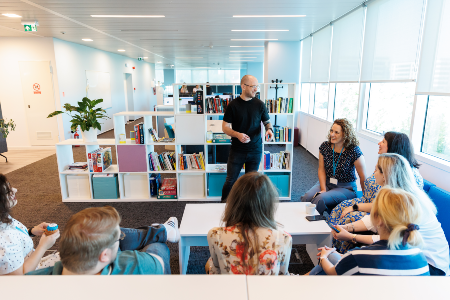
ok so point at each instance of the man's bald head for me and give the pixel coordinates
(247, 78)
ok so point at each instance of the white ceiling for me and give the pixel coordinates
(188, 29)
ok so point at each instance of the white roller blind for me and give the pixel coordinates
(320, 60)
(306, 60)
(347, 47)
(391, 42)
(434, 70)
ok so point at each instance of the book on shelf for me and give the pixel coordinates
(277, 161)
(281, 134)
(191, 161)
(199, 102)
(166, 140)
(155, 183)
(162, 162)
(221, 138)
(167, 197)
(104, 175)
(216, 105)
(153, 135)
(280, 105)
(100, 159)
(78, 165)
(139, 133)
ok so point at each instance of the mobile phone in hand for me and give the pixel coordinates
(332, 227)
(315, 218)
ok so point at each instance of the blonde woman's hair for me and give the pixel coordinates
(398, 174)
(400, 212)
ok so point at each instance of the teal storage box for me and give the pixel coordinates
(105, 187)
(281, 182)
(215, 184)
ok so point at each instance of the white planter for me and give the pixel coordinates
(90, 135)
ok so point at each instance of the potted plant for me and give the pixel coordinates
(86, 116)
(6, 126)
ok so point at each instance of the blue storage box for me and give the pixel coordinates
(105, 187)
(281, 182)
(215, 184)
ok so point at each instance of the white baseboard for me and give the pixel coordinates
(33, 148)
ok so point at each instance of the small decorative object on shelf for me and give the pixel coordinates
(132, 136)
(86, 116)
(122, 139)
(209, 136)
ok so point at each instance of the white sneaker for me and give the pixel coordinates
(173, 234)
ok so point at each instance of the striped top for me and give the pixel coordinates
(378, 259)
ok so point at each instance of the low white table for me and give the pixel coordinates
(198, 219)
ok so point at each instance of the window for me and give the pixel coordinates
(199, 76)
(159, 74)
(436, 137)
(346, 101)
(183, 76)
(232, 76)
(304, 97)
(390, 106)
(216, 76)
(321, 100)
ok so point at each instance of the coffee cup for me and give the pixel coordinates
(310, 209)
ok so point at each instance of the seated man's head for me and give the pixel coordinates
(90, 240)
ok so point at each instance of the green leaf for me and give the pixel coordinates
(55, 113)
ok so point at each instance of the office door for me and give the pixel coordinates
(37, 88)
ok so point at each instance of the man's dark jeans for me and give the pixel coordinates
(235, 162)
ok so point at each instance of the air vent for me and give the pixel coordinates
(44, 135)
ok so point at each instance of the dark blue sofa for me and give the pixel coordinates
(441, 199)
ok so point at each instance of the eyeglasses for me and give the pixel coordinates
(121, 237)
(252, 86)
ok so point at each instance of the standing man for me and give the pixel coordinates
(245, 114)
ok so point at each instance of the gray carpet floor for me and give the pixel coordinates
(39, 200)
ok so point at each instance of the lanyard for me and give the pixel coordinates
(22, 230)
(337, 163)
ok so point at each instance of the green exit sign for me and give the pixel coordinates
(30, 27)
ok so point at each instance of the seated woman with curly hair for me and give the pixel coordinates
(339, 156)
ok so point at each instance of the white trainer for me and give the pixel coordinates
(173, 234)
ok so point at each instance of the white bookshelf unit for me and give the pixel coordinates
(190, 129)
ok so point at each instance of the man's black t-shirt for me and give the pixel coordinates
(245, 117)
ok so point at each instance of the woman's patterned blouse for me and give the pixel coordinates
(226, 245)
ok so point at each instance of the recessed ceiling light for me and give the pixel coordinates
(269, 16)
(188, 57)
(264, 30)
(127, 16)
(145, 57)
(254, 39)
(12, 15)
(243, 57)
(246, 46)
(241, 60)
(203, 67)
(249, 51)
(159, 62)
(87, 40)
(121, 50)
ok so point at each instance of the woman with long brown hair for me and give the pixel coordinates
(251, 241)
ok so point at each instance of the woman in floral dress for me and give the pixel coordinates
(350, 211)
(251, 241)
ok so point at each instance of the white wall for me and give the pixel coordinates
(72, 61)
(13, 50)
(313, 132)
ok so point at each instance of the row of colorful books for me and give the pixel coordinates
(191, 161)
(277, 161)
(162, 162)
(99, 160)
(217, 105)
(153, 135)
(281, 134)
(281, 105)
(165, 189)
(138, 134)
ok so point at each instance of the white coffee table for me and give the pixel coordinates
(198, 219)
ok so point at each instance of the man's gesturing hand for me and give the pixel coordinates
(243, 138)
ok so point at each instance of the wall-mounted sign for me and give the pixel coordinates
(37, 88)
(30, 27)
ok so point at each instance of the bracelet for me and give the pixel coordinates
(354, 239)
(353, 228)
(30, 233)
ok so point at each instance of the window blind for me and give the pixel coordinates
(320, 59)
(306, 60)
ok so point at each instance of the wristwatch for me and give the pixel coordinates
(355, 207)
(354, 239)
(29, 232)
(271, 129)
